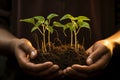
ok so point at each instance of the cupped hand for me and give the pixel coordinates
(24, 50)
(99, 55)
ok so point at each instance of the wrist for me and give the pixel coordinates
(115, 38)
(12, 44)
(110, 44)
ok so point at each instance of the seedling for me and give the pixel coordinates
(75, 24)
(65, 55)
(40, 21)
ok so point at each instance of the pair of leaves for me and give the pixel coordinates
(75, 22)
(41, 21)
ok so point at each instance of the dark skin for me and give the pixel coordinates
(23, 50)
(100, 54)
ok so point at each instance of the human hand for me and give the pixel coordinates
(24, 50)
(99, 55)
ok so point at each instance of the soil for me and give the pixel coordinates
(64, 56)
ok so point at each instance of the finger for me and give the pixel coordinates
(28, 48)
(99, 65)
(74, 74)
(26, 64)
(89, 50)
(38, 67)
(49, 71)
(96, 54)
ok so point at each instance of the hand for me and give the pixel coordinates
(23, 51)
(99, 53)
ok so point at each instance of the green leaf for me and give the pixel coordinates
(28, 20)
(65, 27)
(84, 24)
(57, 24)
(34, 28)
(70, 26)
(67, 16)
(81, 18)
(74, 24)
(46, 22)
(50, 29)
(41, 19)
(38, 23)
(52, 15)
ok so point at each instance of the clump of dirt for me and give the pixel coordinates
(64, 56)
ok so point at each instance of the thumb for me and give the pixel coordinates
(33, 54)
(96, 55)
(89, 61)
(93, 57)
(28, 48)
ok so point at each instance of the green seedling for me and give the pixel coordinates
(40, 21)
(42, 24)
(75, 24)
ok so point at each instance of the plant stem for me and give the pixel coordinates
(44, 44)
(37, 41)
(75, 40)
(78, 30)
(71, 39)
(49, 40)
(40, 31)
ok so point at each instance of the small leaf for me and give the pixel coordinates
(52, 15)
(57, 24)
(46, 22)
(65, 27)
(41, 19)
(29, 20)
(84, 24)
(67, 16)
(74, 24)
(81, 18)
(34, 28)
(50, 29)
(38, 23)
(70, 26)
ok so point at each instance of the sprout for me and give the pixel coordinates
(42, 24)
(40, 21)
(75, 24)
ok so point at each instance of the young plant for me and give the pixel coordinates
(75, 24)
(40, 21)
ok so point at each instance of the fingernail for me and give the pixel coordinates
(89, 61)
(32, 53)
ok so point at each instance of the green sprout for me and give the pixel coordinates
(40, 21)
(75, 24)
(42, 24)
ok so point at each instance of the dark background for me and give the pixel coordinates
(112, 71)
(117, 12)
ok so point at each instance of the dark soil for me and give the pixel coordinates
(63, 55)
